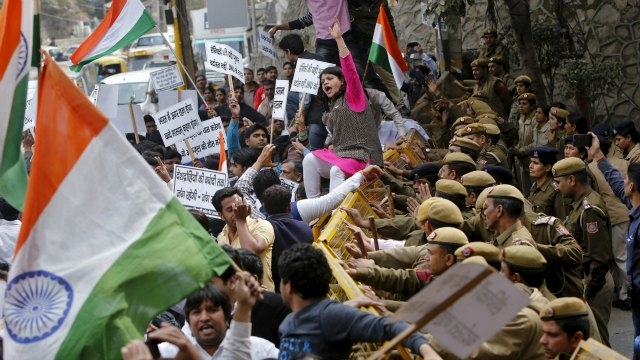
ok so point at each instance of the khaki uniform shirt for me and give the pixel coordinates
(563, 254)
(492, 155)
(589, 223)
(634, 155)
(403, 282)
(526, 127)
(264, 230)
(515, 234)
(409, 257)
(397, 227)
(497, 94)
(546, 200)
(476, 230)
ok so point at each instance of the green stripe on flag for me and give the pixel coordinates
(35, 57)
(13, 171)
(142, 26)
(173, 258)
(379, 56)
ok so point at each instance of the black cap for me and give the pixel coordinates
(547, 155)
(602, 129)
(500, 173)
(624, 127)
(424, 171)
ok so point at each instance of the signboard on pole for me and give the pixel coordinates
(307, 76)
(167, 78)
(267, 45)
(31, 109)
(170, 97)
(178, 122)
(206, 142)
(122, 119)
(194, 187)
(224, 59)
(280, 100)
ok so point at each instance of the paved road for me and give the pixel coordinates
(621, 332)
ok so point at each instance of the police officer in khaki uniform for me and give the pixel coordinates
(502, 210)
(465, 146)
(442, 243)
(565, 322)
(455, 192)
(476, 228)
(497, 69)
(455, 165)
(489, 252)
(493, 47)
(526, 128)
(491, 88)
(557, 119)
(589, 223)
(543, 195)
(495, 150)
(627, 139)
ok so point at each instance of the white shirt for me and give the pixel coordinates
(230, 348)
(9, 230)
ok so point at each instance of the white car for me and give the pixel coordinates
(144, 49)
(137, 84)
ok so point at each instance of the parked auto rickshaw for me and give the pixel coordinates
(110, 65)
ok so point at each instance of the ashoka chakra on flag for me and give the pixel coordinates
(36, 304)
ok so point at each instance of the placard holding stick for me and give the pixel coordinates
(178, 122)
(194, 187)
(306, 79)
(31, 110)
(133, 121)
(374, 231)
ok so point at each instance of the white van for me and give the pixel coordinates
(137, 84)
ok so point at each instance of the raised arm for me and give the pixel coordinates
(356, 99)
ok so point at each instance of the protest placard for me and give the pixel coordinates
(267, 45)
(122, 119)
(178, 122)
(31, 109)
(167, 78)
(94, 94)
(306, 79)
(280, 101)
(107, 100)
(291, 185)
(206, 142)
(224, 59)
(171, 97)
(464, 307)
(194, 187)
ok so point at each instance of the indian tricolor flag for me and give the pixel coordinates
(125, 21)
(104, 246)
(16, 27)
(385, 51)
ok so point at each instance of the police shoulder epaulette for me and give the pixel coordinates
(586, 203)
(495, 157)
(548, 220)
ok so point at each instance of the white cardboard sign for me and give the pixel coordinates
(280, 100)
(122, 119)
(306, 78)
(31, 109)
(171, 97)
(178, 122)
(107, 100)
(167, 78)
(267, 45)
(474, 318)
(194, 187)
(224, 59)
(206, 142)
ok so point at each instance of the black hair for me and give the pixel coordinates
(268, 82)
(472, 153)
(633, 173)
(293, 43)
(301, 192)
(148, 119)
(277, 199)
(632, 132)
(582, 177)
(222, 194)
(151, 158)
(246, 157)
(146, 145)
(494, 138)
(545, 110)
(287, 63)
(271, 67)
(222, 90)
(297, 166)
(249, 70)
(307, 271)
(251, 262)
(170, 153)
(512, 207)
(531, 102)
(8, 212)
(574, 324)
(250, 130)
(264, 180)
(201, 218)
(531, 278)
(475, 189)
(559, 105)
(212, 293)
(261, 69)
(461, 168)
(335, 71)
(577, 120)
(230, 271)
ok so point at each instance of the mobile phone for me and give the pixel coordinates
(582, 140)
(153, 348)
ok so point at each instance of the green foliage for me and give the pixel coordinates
(590, 77)
(450, 11)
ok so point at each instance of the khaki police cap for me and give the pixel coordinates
(479, 107)
(443, 211)
(474, 128)
(496, 59)
(447, 236)
(465, 143)
(568, 166)
(464, 120)
(527, 96)
(482, 198)
(492, 129)
(485, 120)
(477, 248)
(564, 308)
(480, 62)
(476, 260)
(423, 209)
(458, 157)
(450, 187)
(489, 30)
(505, 191)
(559, 113)
(523, 79)
(524, 257)
(477, 178)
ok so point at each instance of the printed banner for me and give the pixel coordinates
(194, 187)
(178, 122)
(167, 78)
(306, 79)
